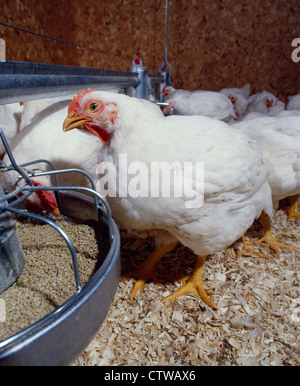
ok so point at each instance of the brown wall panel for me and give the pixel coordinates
(211, 44)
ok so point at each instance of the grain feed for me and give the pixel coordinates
(48, 280)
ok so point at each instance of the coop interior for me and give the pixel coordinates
(191, 45)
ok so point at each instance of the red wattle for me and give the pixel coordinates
(48, 201)
(100, 132)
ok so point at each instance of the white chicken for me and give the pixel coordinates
(293, 102)
(279, 140)
(200, 102)
(273, 111)
(10, 119)
(239, 98)
(261, 102)
(134, 140)
(43, 138)
(32, 108)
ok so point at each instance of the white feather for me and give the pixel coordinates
(10, 118)
(200, 102)
(279, 140)
(293, 102)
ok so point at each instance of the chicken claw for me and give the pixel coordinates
(194, 284)
(146, 270)
(247, 250)
(274, 244)
(270, 239)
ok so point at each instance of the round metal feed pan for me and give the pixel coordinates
(61, 336)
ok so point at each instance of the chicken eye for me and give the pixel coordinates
(93, 106)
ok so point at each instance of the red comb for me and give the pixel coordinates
(75, 101)
(137, 60)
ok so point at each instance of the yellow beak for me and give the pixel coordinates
(56, 212)
(73, 121)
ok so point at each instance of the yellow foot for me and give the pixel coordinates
(268, 238)
(142, 274)
(274, 244)
(147, 270)
(195, 285)
(247, 250)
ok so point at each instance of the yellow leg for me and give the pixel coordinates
(195, 285)
(146, 270)
(293, 211)
(268, 237)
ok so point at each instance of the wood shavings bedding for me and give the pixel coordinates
(257, 321)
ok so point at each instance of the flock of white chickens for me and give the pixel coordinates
(250, 146)
(267, 120)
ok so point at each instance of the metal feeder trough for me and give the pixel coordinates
(60, 337)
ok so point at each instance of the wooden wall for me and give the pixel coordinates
(211, 43)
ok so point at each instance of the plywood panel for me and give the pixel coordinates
(211, 44)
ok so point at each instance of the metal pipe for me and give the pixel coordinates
(22, 81)
(156, 78)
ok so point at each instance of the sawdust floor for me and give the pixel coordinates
(257, 321)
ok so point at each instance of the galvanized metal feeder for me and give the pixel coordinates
(59, 337)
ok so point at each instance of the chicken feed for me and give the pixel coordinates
(48, 279)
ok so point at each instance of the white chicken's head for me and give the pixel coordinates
(88, 111)
(233, 98)
(269, 102)
(168, 90)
